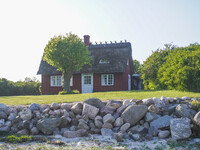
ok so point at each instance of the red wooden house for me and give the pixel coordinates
(111, 70)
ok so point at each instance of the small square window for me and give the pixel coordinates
(87, 79)
(107, 79)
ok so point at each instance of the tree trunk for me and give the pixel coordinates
(66, 81)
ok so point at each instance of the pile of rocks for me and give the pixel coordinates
(134, 119)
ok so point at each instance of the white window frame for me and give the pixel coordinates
(105, 79)
(57, 80)
(104, 61)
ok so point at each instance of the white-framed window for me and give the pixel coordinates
(104, 61)
(57, 80)
(87, 79)
(107, 79)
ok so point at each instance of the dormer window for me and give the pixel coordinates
(104, 61)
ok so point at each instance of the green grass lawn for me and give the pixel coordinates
(48, 99)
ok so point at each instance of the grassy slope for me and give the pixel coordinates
(48, 99)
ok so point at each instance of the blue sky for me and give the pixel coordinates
(27, 25)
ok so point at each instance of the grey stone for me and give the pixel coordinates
(135, 137)
(170, 99)
(3, 115)
(43, 107)
(34, 107)
(186, 98)
(55, 106)
(113, 103)
(119, 122)
(98, 121)
(107, 132)
(137, 129)
(182, 110)
(108, 118)
(107, 125)
(74, 134)
(48, 125)
(83, 125)
(3, 107)
(163, 134)
(2, 122)
(64, 122)
(56, 131)
(148, 101)
(107, 109)
(118, 136)
(25, 114)
(95, 102)
(161, 122)
(151, 116)
(5, 128)
(123, 107)
(116, 115)
(158, 103)
(66, 106)
(146, 125)
(171, 109)
(8, 123)
(90, 111)
(134, 113)
(77, 108)
(34, 131)
(12, 116)
(197, 119)
(152, 108)
(153, 131)
(23, 125)
(125, 127)
(180, 128)
(23, 132)
(126, 102)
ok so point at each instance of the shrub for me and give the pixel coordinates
(18, 139)
(195, 104)
(65, 92)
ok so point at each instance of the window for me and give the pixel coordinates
(107, 79)
(87, 79)
(104, 61)
(57, 81)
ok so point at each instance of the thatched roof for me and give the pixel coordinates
(116, 53)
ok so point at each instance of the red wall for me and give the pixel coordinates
(47, 89)
(120, 83)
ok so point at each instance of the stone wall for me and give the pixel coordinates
(134, 119)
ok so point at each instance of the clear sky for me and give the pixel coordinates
(27, 25)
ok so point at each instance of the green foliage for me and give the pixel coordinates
(136, 66)
(17, 139)
(68, 54)
(177, 68)
(9, 88)
(196, 105)
(70, 92)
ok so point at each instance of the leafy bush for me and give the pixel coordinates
(9, 88)
(71, 92)
(17, 139)
(195, 104)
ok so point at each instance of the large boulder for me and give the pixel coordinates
(197, 119)
(66, 106)
(77, 108)
(182, 110)
(74, 134)
(90, 111)
(151, 116)
(95, 102)
(25, 114)
(48, 125)
(180, 128)
(108, 118)
(161, 122)
(133, 114)
(34, 107)
(3, 115)
(3, 107)
(64, 122)
(107, 132)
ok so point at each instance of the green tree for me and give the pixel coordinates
(68, 54)
(136, 66)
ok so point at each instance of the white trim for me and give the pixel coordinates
(129, 82)
(56, 80)
(87, 83)
(104, 61)
(105, 79)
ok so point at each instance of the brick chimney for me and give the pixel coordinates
(86, 40)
